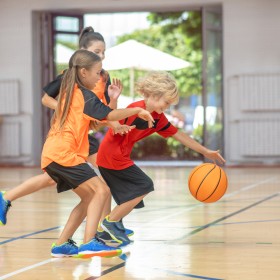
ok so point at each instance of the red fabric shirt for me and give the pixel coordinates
(114, 151)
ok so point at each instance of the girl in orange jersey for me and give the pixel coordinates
(65, 152)
(107, 93)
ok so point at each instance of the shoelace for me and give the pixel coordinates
(9, 205)
(72, 242)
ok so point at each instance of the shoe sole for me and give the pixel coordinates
(104, 254)
(64, 256)
(108, 240)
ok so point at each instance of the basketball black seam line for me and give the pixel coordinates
(203, 181)
(195, 171)
(216, 186)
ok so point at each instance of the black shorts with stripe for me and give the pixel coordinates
(127, 184)
(69, 177)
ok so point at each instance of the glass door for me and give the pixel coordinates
(66, 30)
(59, 40)
(212, 95)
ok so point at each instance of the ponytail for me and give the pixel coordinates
(87, 36)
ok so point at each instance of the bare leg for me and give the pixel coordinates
(120, 211)
(92, 159)
(93, 194)
(77, 215)
(29, 186)
(107, 206)
(95, 206)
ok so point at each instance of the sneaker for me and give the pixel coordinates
(104, 236)
(4, 207)
(97, 247)
(116, 231)
(67, 249)
(128, 232)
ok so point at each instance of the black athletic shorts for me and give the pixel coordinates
(127, 184)
(93, 145)
(69, 177)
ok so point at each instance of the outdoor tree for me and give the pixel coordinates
(178, 34)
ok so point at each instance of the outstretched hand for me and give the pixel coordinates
(122, 129)
(115, 89)
(145, 115)
(215, 156)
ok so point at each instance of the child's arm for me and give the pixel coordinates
(115, 125)
(120, 128)
(120, 114)
(194, 145)
(49, 101)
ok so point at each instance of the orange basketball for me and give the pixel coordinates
(207, 182)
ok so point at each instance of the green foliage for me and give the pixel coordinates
(70, 45)
(60, 67)
(178, 34)
(156, 147)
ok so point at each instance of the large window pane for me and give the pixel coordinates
(66, 24)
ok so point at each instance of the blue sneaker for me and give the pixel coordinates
(116, 231)
(128, 232)
(4, 207)
(97, 247)
(67, 249)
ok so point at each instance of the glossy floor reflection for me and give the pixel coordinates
(175, 237)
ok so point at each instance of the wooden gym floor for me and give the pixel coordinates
(175, 237)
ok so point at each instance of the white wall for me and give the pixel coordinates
(251, 45)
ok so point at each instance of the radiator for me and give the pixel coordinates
(260, 138)
(259, 92)
(9, 97)
(9, 139)
(254, 117)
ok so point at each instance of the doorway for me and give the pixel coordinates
(201, 106)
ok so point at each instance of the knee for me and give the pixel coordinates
(86, 199)
(103, 191)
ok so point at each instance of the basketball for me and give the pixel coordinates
(207, 182)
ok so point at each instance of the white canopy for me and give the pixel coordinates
(63, 54)
(134, 55)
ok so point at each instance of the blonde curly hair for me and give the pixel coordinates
(158, 84)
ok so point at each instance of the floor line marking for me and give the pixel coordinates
(224, 218)
(26, 268)
(166, 217)
(29, 234)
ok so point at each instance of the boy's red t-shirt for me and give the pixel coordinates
(114, 151)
